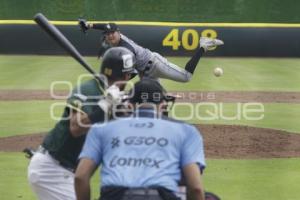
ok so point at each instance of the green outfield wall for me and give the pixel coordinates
(170, 39)
(156, 10)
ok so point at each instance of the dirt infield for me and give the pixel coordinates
(18, 143)
(243, 142)
(240, 142)
(189, 96)
(221, 141)
(27, 95)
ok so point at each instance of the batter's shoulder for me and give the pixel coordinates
(89, 88)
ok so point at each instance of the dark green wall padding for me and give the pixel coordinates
(263, 11)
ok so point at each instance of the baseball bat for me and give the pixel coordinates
(52, 31)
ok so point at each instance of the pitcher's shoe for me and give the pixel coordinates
(209, 43)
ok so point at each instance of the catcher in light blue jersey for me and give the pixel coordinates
(142, 156)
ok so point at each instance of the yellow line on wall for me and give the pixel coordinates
(172, 24)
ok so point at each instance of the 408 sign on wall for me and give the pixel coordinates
(187, 39)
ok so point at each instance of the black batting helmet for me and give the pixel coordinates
(116, 62)
(148, 90)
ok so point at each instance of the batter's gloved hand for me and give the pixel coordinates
(113, 97)
(83, 25)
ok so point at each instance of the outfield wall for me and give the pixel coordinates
(171, 39)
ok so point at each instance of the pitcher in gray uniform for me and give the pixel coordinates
(150, 64)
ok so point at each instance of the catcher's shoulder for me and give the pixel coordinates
(176, 121)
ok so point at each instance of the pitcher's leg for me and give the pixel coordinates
(193, 62)
(162, 68)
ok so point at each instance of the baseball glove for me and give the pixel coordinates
(83, 25)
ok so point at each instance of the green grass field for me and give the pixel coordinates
(240, 74)
(275, 116)
(31, 116)
(34, 116)
(231, 179)
(254, 179)
(274, 179)
(243, 74)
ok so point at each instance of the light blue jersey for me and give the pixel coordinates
(143, 151)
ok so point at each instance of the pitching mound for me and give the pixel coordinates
(18, 143)
(240, 142)
(248, 142)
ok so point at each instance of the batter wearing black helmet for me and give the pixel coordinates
(51, 169)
